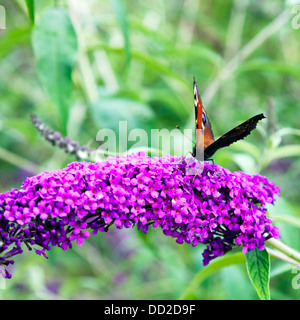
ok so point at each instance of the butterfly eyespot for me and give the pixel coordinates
(205, 141)
(203, 119)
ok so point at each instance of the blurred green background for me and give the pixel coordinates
(84, 65)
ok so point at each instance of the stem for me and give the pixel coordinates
(235, 28)
(293, 221)
(283, 248)
(88, 78)
(19, 161)
(282, 256)
(233, 41)
(243, 53)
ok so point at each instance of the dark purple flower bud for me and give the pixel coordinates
(56, 139)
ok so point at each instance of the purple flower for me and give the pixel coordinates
(217, 208)
(79, 236)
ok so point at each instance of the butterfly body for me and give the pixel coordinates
(206, 145)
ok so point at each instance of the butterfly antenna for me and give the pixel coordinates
(177, 127)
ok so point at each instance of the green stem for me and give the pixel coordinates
(19, 161)
(282, 256)
(88, 78)
(289, 252)
(244, 53)
(293, 221)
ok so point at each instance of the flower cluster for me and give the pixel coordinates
(213, 206)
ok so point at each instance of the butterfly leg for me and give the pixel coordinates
(201, 167)
(189, 152)
(213, 162)
(177, 127)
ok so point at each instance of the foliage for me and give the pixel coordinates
(106, 61)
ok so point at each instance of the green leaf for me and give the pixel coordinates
(55, 47)
(258, 267)
(276, 138)
(110, 110)
(222, 262)
(247, 147)
(13, 39)
(155, 63)
(150, 61)
(201, 52)
(270, 66)
(281, 152)
(30, 9)
(245, 162)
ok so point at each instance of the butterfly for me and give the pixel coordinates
(205, 142)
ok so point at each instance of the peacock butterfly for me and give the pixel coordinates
(205, 141)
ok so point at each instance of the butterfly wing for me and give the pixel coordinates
(238, 133)
(204, 134)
